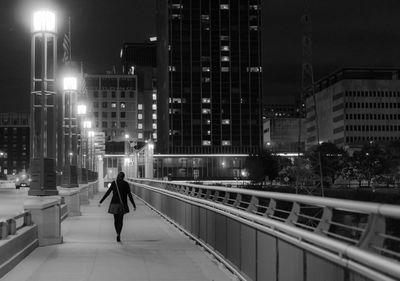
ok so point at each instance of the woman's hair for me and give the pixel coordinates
(120, 176)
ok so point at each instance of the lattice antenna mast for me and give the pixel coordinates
(307, 81)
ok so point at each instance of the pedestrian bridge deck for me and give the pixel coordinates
(151, 249)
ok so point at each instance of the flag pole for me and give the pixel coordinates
(70, 38)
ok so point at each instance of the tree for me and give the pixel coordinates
(370, 162)
(332, 160)
(261, 166)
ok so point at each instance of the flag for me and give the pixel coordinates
(67, 48)
(67, 43)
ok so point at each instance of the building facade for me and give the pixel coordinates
(354, 107)
(14, 143)
(281, 135)
(139, 59)
(209, 76)
(113, 103)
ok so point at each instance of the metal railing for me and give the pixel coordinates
(11, 225)
(359, 236)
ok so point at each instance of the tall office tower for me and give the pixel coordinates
(138, 55)
(209, 76)
(14, 142)
(139, 59)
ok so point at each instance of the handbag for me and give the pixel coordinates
(118, 208)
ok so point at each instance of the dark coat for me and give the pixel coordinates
(124, 190)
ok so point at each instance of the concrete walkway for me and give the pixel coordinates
(151, 249)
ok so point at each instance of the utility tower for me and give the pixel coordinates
(307, 84)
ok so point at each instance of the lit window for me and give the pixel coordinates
(140, 106)
(254, 69)
(140, 116)
(224, 38)
(224, 48)
(225, 58)
(205, 100)
(224, 69)
(154, 96)
(206, 142)
(224, 7)
(154, 106)
(253, 27)
(253, 7)
(154, 126)
(114, 105)
(140, 135)
(172, 68)
(206, 111)
(208, 132)
(205, 69)
(226, 121)
(140, 126)
(175, 16)
(122, 105)
(205, 17)
(176, 6)
(154, 116)
(155, 136)
(225, 142)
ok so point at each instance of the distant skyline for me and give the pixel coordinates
(345, 34)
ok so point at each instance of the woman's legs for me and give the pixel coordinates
(118, 223)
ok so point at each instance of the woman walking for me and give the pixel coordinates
(119, 203)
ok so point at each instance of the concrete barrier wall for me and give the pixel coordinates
(254, 254)
(7, 184)
(16, 247)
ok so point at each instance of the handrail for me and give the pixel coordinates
(361, 232)
(9, 226)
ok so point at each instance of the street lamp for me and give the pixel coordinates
(81, 111)
(44, 21)
(70, 172)
(91, 135)
(43, 103)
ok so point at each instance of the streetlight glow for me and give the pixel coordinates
(81, 109)
(70, 84)
(44, 21)
(126, 136)
(87, 124)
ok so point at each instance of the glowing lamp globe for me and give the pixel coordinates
(44, 21)
(70, 84)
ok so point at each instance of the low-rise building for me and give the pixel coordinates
(354, 107)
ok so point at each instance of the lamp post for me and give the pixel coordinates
(91, 150)
(70, 172)
(1, 164)
(43, 104)
(81, 111)
(86, 125)
(149, 161)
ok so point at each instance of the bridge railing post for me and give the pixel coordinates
(3, 229)
(371, 239)
(12, 226)
(294, 214)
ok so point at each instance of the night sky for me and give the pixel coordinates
(345, 33)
